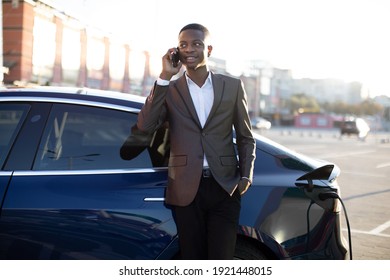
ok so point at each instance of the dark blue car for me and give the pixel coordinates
(67, 193)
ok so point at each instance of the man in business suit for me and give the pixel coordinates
(206, 179)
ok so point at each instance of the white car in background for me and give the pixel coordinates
(260, 123)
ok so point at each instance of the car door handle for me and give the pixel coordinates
(154, 199)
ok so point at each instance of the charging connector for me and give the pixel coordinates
(326, 195)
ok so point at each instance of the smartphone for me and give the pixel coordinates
(175, 58)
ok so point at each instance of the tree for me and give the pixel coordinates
(367, 107)
(301, 103)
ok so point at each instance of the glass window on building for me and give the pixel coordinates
(117, 65)
(44, 47)
(95, 61)
(137, 71)
(117, 61)
(322, 121)
(71, 53)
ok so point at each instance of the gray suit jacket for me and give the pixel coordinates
(189, 141)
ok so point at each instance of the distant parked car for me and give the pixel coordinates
(260, 123)
(67, 191)
(355, 126)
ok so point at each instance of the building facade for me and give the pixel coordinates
(44, 46)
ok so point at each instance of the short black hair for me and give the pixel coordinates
(196, 26)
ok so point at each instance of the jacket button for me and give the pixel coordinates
(203, 133)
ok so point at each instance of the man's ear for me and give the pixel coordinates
(209, 48)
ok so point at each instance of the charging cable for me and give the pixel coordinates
(326, 195)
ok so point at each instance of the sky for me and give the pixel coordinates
(342, 39)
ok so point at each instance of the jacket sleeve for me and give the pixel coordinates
(246, 144)
(153, 113)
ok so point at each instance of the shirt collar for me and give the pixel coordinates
(207, 81)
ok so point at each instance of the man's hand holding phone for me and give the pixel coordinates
(171, 64)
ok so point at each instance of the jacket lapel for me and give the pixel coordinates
(218, 86)
(184, 93)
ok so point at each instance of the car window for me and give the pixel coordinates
(11, 118)
(86, 138)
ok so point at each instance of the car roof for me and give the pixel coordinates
(46, 93)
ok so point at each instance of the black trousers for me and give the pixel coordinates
(208, 226)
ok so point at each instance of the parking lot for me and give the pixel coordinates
(364, 181)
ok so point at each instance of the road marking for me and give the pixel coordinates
(376, 231)
(380, 228)
(386, 164)
(367, 232)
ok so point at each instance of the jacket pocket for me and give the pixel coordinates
(228, 160)
(177, 161)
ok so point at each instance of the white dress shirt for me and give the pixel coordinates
(203, 98)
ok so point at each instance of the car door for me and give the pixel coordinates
(80, 199)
